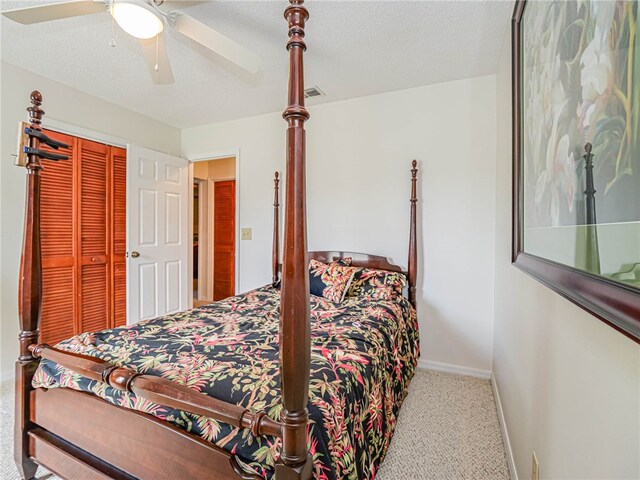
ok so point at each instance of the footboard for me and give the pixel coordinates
(79, 436)
(160, 391)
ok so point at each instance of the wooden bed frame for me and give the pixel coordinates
(357, 259)
(80, 436)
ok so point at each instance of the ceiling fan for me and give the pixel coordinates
(144, 20)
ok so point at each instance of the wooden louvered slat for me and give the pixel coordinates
(224, 239)
(84, 239)
(119, 237)
(57, 202)
(120, 294)
(119, 201)
(93, 198)
(94, 298)
(57, 304)
(57, 223)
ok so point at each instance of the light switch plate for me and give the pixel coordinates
(245, 234)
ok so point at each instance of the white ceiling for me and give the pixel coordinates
(355, 48)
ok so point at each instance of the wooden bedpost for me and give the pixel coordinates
(295, 342)
(275, 257)
(413, 242)
(29, 297)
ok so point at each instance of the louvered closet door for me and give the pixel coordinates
(83, 240)
(94, 240)
(119, 236)
(58, 245)
(224, 242)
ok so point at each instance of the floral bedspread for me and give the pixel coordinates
(362, 359)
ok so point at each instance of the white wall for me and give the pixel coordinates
(71, 107)
(569, 384)
(359, 153)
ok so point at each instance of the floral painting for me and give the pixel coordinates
(580, 84)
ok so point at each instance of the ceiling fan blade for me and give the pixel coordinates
(182, 3)
(55, 11)
(217, 42)
(164, 75)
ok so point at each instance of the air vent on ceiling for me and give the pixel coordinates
(313, 92)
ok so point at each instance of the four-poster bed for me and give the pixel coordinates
(305, 396)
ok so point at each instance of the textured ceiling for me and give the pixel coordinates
(355, 48)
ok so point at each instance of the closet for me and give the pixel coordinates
(83, 240)
(224, 239)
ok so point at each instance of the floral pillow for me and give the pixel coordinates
(377, 284)
(330, 281)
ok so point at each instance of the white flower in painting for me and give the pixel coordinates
(558, 179)
(597, 69)
(596, 77)
(603, 11)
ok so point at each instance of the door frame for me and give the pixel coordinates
(205, 157)
(204, 239)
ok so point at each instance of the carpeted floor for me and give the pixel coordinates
(448, 430)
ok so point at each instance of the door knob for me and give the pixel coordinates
(135, 254)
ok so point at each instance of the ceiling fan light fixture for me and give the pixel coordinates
(137, 19)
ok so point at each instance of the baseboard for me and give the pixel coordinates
(503, 428)
(457, 369)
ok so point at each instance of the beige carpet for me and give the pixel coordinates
(448, 430)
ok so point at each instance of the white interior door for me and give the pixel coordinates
(157, 238)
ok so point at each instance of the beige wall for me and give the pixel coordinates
(359, 153)
(219, 169)
(72, 107)
(569, 384)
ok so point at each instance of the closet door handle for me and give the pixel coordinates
(135, 254)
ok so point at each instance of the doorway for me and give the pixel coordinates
(214, 230)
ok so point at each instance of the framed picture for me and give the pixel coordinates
(576, 153)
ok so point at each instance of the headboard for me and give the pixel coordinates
(358, 259)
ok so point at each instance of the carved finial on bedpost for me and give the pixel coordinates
(29, 297)
(35, 112)
(275, 257)
(295, 332)
(413, 243)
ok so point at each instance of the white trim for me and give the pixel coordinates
(211, 236)
(190, 233)
(7, 375)
(457, 369)
(503, 428)
(216, 155)
(204, 271)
